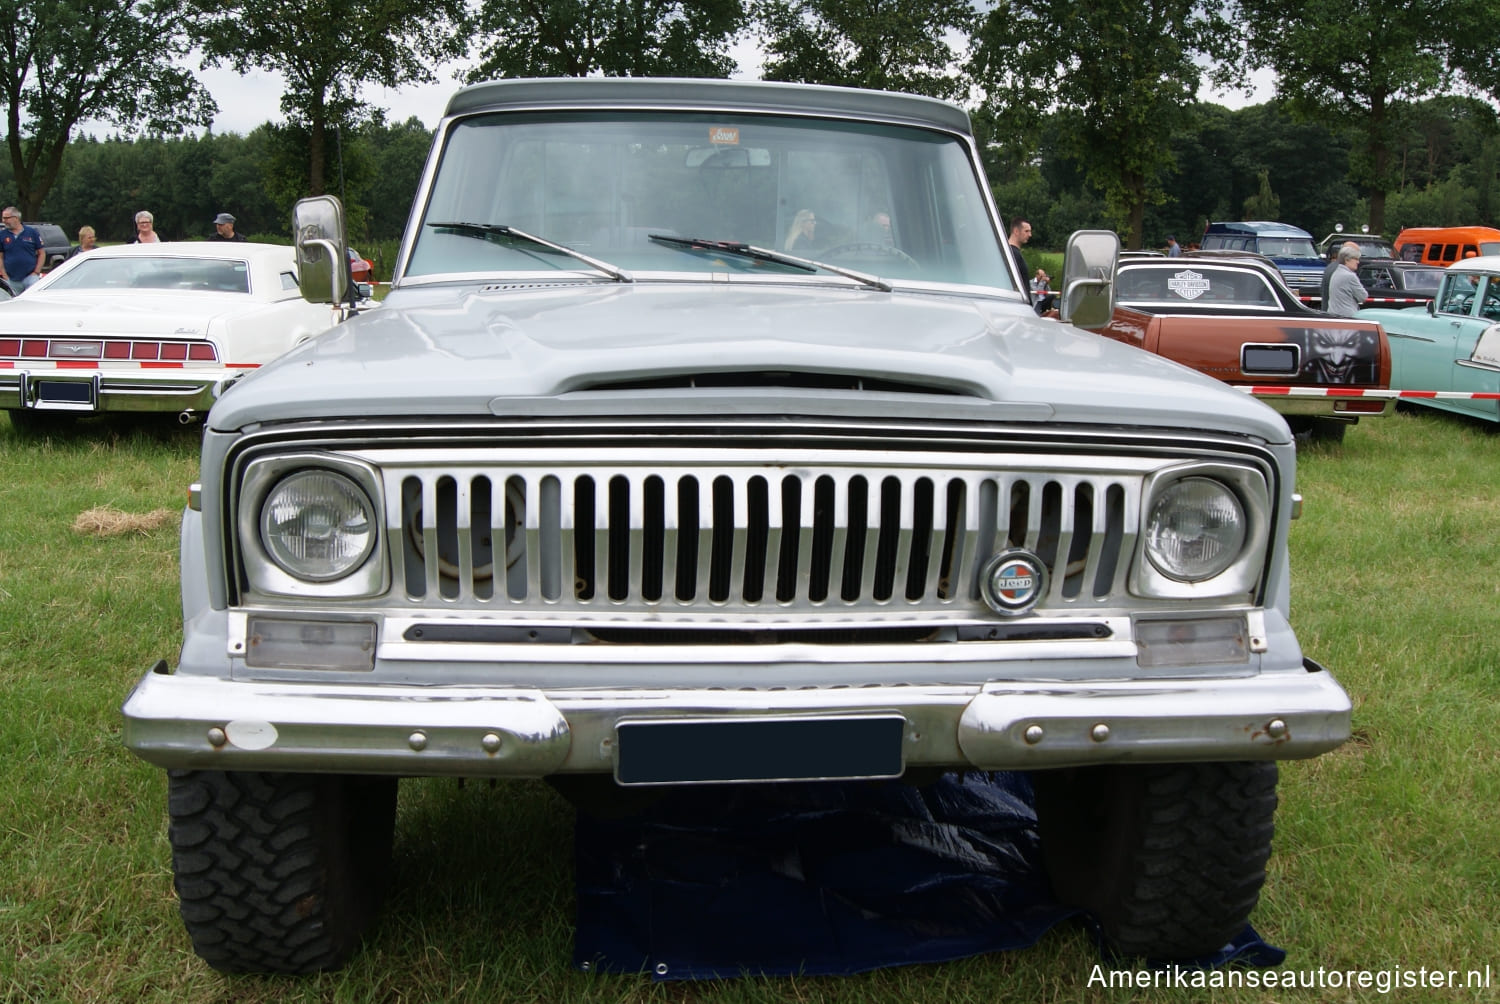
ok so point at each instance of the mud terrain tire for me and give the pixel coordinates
(279, 873)
(1169, 858)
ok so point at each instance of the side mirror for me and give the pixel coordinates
(322, 261)
(1088, 289)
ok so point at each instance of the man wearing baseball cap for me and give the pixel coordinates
(224, 225)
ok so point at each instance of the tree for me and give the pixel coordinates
(1121, 74)
(1359, 62)
(894, 45)
(618, 38)
(72, 61)
(326, 50)
(400, 152)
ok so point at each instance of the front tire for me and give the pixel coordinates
(279, 873)
(1169, 858)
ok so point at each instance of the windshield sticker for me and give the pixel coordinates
(1189, 285)
(724, 135)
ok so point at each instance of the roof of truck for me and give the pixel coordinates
(709, 94)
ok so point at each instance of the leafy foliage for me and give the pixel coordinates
(70, 61)
(897, 45)
(1353, 69)
(327, 50)
(1120, 75)
(573, 38)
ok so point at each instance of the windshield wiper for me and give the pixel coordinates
(488, 230)
(744, 250)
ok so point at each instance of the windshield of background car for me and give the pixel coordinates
(1286, 247)
(216, 275)
(1196, 285)
(902, 203)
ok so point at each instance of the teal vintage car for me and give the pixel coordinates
(1452, 345)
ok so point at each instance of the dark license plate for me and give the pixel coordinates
(79, 393)
(769, 749)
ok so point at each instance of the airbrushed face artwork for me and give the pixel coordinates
(1338, 355)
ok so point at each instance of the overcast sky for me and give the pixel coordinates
(246, 102)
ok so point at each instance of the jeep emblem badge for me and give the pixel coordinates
(1012, 582)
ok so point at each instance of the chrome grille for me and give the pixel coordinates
(752, 537)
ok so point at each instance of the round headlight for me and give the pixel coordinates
(1196, 530)
(317, 525)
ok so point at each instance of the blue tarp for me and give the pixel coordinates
(821, 878)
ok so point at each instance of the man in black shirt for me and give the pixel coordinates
(224, 227)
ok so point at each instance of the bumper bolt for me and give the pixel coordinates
(1099, 733)
(1276, 729)
(1033, 734)
(417, 741)
(216, 737)
(490, 743)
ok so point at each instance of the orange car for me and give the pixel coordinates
(1233, 318)
(1446, 245)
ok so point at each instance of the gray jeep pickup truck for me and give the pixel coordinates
(707, 436)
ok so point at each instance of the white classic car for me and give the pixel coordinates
(149, 327)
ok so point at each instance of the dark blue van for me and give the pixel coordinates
(1291, 248)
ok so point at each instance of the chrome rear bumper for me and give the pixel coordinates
(97, 391)
(178, 720)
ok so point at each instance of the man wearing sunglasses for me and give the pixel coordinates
(22, 251)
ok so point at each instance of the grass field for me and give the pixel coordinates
(1386, 852)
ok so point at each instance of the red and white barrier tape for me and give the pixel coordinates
(1377, 300)
(1447, 395)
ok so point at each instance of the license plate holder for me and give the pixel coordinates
(49, 394)
(728, 750)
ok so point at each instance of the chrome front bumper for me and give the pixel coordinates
(180, 720)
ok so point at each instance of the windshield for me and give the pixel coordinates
(1286, 247)
(211, 274)
(897, 202)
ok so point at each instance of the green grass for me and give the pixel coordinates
(1385, 851)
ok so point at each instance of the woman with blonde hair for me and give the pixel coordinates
(85, 242)
(801, 233)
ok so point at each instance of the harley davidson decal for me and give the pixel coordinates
(1188, 284)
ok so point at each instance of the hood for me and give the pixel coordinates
(128, 313)
(550, 350)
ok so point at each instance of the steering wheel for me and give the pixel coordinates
(870, 248)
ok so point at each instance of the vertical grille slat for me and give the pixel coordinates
(600, 539)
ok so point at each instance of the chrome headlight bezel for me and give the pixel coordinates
(1242, 574)
(263, 572)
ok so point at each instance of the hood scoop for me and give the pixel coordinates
(759, 379)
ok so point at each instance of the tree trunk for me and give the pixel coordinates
(316, 153)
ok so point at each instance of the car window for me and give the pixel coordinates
(1489, 247)
(204, 274)
(1489, 307)
(903, 203)
(1458, 293)
(1286, 247)
(1376, 277)
(1422, 279)
(1197, 285)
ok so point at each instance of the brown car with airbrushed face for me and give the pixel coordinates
(1232, 317)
